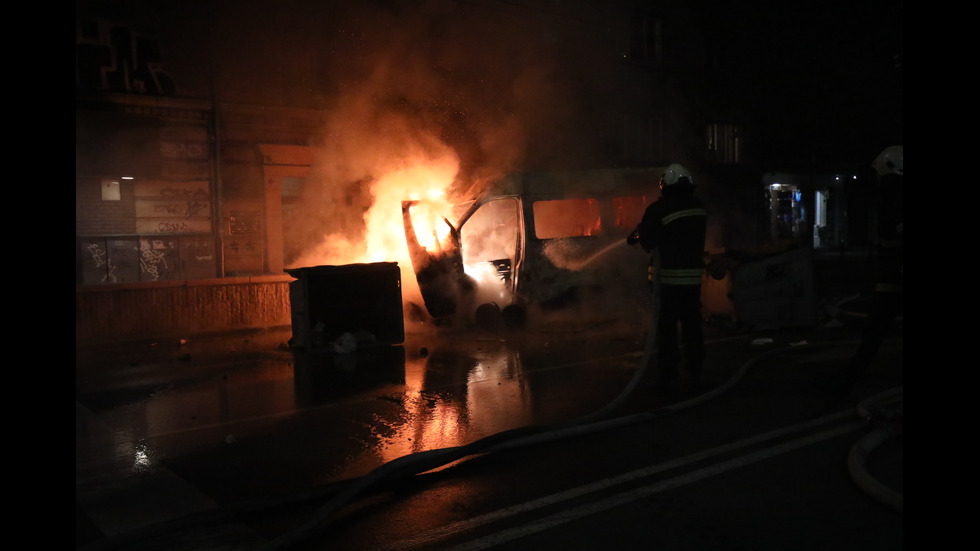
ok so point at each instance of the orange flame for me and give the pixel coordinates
(424, 179)
(426, 183)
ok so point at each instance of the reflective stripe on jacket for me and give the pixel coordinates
(674, 227)
(681, 276)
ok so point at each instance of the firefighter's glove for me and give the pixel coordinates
(633, 238)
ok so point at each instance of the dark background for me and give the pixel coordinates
(819, 81)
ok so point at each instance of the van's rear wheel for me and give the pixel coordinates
(514, 316)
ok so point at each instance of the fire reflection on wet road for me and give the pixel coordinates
(285, 420)
(451, 399)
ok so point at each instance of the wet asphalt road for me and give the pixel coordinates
(545, 439)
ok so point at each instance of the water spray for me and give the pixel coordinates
(570, 265)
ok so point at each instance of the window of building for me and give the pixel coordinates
(292, 192)
(645, 40)
(723, 143)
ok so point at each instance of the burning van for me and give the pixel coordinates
(533, 244)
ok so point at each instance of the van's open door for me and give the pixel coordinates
(442, 280)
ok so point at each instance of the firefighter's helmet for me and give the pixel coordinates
(675, 174)
(889, 161)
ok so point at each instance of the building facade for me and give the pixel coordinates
(178, 181)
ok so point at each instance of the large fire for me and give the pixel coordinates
(427, 184)
(425, 180)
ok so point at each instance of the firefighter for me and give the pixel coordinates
(673, 231)
(887, 297)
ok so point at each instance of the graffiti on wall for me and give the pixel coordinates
(171, 227)
(98, 258)
(113, 260)
(183, 150)
(135, 259)
(244, 222)
(197, 257)
(164, 206)
(158, 259)
(181, 208)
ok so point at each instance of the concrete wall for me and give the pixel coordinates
(176, 309)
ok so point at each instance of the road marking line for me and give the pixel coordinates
(574, 493)
(639, 493)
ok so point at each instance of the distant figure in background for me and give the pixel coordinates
(887, 298)
(673, 230)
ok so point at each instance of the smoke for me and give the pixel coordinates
(420, 99)
(424, 101)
